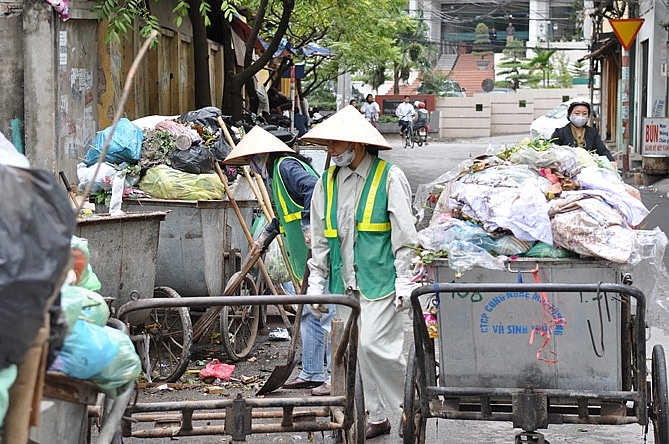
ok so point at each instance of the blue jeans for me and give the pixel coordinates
(316, 340)
(316, 345)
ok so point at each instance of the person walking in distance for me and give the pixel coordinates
(405, 111)
(362, 224)
(371, 110)
(292, 180)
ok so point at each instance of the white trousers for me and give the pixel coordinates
(380, 355)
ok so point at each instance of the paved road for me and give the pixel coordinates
(423, 164)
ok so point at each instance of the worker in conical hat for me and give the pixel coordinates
(361, 226)
(292, 179)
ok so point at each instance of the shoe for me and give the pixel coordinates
(374, 429)
(299, 383)
(321, 390)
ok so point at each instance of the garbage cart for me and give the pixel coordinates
(546, 341)
(124, 252)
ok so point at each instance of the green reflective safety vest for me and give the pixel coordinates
(372, 252)
(289, 213)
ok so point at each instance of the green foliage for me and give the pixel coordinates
(481, 45)
(123, 15)
(541, 63)
(564, 78)
(512, 66)
(579, 69)
(438, 84)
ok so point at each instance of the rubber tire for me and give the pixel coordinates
(413, 421)
(240, 322)
(659, 410)
(360, 421)
(166, 337)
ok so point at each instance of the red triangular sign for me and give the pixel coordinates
(626, 30)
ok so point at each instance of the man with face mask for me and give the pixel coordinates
(292, 179)
(577, 133)
(362, 224)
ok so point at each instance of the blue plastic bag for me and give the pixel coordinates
(87, 351)
(125, 146)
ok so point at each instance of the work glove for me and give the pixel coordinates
(307, 235)
(268, 235)
(403, 289)
(317, 287)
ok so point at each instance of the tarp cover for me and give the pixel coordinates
(36, 227)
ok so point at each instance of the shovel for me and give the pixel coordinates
(281, 373)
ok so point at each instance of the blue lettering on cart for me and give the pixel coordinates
(518, 294)
(517, 330)
(494, 302)
(498, 329)
(536, 297)
(483, 325)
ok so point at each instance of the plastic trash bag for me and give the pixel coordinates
(7, 378)
(36, 225)
(124, 368)
(87, 351)
(541, 249)
(216, 369)
(590, 227)
(125, 145)
(163, 182)
(10, 156)
(206, 117)
(197, 159)
(80, 303)
(466, 244)
(85, 277)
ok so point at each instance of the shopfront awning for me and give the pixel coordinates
(602, 49)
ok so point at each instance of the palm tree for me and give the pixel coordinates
(542, 62)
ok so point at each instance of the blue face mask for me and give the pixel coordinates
(345, 158)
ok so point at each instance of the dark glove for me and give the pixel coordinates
(268, 234)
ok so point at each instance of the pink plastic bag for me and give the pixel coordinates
(215, 369)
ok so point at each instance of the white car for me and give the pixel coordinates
(544, 126)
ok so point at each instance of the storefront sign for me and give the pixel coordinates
(655, 137)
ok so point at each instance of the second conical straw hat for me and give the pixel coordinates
(256, 141)
(347, 125)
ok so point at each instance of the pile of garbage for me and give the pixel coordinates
(164, 157)
(91, 350)
(533, 199)
(540, 200)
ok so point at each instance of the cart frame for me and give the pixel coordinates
(529, 408)
(345, 406)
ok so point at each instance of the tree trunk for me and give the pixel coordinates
(200, 56)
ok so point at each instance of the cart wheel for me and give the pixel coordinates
(659, 408)
(413, 421)
(239, 323)
(171, 338)
(360, 420)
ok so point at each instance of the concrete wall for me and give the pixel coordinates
(11, 71)
(485, 115)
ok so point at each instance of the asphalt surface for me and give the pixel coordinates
(422, 165)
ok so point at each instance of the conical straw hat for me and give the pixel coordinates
(256, 141)
(347, 125)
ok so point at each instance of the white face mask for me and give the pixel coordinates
(578, 121)
(259, 164)
(345, 158)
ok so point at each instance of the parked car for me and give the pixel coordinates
(447, 88)
(502, 91)
(544, 126)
